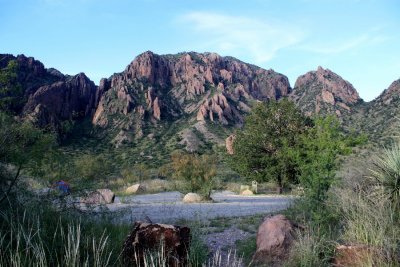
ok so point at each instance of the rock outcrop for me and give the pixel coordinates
(229, 144)
(275, 237)
(48, 97)
(205, 86)
(146, 238)
(379, 118)
(324, 92)
(71, 99)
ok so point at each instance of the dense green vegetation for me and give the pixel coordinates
(277, 144)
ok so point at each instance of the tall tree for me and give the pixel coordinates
(264, 150)
(22, 147)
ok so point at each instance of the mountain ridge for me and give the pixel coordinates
(205, 95)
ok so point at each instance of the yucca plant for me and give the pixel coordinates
(386, 171)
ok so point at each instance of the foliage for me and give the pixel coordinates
(317, 158)
(197, 171)
(138, 173)
(265, 147)
(310, 249)
(386, 171)
(11, 92)
(22, 147)
(91, 168)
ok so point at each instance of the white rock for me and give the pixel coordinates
(247, 192)
(134, 189)
(191, 198)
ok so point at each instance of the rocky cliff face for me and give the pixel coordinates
(199, 87)
(324, 92)
(380, 117)
(69, 99)
(49, 97)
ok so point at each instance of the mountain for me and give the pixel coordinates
(160, 103)
(48, 97)
(324, 92)
(189, 89)
(380, 118)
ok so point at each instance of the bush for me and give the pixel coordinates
(197, 171)
(386, 171)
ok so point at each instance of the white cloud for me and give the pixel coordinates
(370, 38)
(238, 35)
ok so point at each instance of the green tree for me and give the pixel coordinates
(197, 171)
(264, 148)
(22, 148)
(11, 92)
(318, 153)
(93, 168)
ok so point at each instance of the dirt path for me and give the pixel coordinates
(169, 208)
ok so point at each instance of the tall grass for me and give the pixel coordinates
(310, 250)
(43, 237)
(24, 244)
(369, 219)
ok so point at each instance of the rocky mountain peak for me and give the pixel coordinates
(324, 91)
(391, 93)
(206, 86)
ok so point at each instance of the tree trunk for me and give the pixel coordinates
(12, 184)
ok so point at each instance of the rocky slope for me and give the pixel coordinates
(187, 88)
(48, 97)
(187, 100)
(324, 92)
(380, 118)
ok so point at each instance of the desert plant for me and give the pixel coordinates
(369, 220)
(386, 171)
(197, 171)
(310, 250)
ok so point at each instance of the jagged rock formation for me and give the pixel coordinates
(380, 118)
(187, 87)
(72, 98)
(207, 86)
(188, 100)
(324, 92)
(49, 97)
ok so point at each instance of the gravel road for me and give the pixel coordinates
(168, 207)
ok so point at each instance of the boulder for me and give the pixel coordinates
(244, 187)
(136, 188)
(192, 198)
(353, 256)
(247, 192)
(274, 240)
(100, 196)
(148, 238)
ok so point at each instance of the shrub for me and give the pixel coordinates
(386, 171)
(197, 171)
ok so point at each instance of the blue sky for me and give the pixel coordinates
(358, 39)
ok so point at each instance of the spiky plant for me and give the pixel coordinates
(386, 171)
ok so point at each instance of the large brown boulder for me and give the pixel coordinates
(274, 240)
(354, 256)
(146, 238)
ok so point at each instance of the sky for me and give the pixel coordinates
(357, 39)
